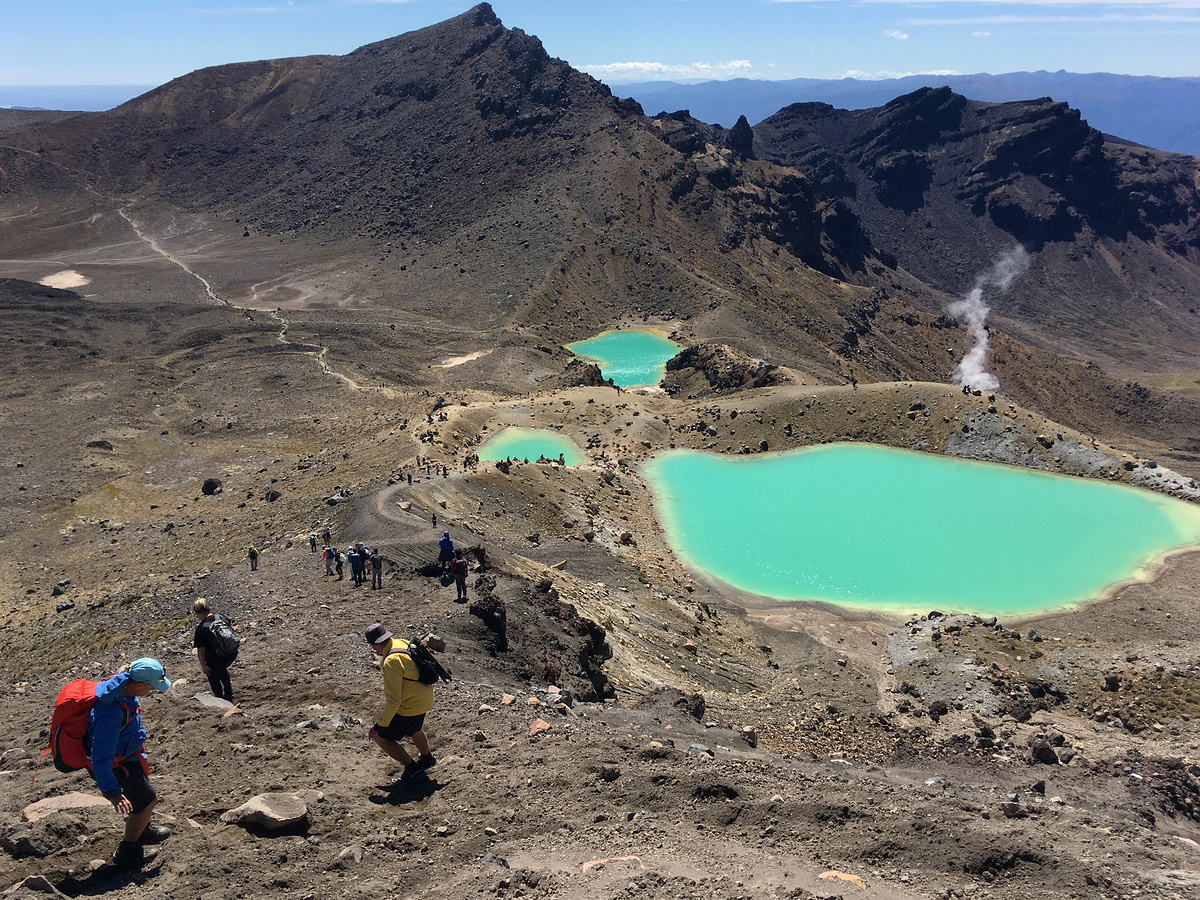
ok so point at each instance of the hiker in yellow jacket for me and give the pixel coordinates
(406, 701)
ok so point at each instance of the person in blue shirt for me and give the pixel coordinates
(119, 763)
(445, 551)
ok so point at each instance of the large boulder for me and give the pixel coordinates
(272, 812)
(75, 800)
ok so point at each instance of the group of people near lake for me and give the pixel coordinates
(360, 558)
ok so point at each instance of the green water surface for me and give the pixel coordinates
(899, 531)
(629, 358)
(531, 443)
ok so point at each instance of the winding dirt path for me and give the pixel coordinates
(157, 248)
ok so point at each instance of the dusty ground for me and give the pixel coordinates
(829, 749)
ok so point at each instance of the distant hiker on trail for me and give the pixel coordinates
(329, 557)
(356, 564)
(405, 703)
(312, 543)
(458, 569)
(252, 555)
(433, 518)
(118, 757)
(445, 551)
(376, 570)
(326, 536)
(337, 562)
(216, 646)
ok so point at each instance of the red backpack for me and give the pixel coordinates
(68, 725)
(68, 728)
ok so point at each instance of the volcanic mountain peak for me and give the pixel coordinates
(462, 173)
(947, 185)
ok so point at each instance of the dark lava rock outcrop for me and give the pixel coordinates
(713, 368)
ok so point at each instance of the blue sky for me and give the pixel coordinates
(149, 42)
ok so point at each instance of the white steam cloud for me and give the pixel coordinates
(974, 311)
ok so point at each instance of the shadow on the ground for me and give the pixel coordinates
(400, 792)
(108, 878)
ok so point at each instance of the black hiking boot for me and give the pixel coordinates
(427, 761)
(131, 856)
(154, 834)
(412, 772)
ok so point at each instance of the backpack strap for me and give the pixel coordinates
(402, 652)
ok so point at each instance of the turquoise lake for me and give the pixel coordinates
(629, 358)
(531, 443)
(903, 532)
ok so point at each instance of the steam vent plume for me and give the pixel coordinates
(972, 370)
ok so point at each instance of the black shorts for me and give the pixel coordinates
(135, 785)
(401, 727)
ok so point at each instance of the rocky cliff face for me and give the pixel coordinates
(946, 184)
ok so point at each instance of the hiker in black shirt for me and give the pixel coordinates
(213, 649)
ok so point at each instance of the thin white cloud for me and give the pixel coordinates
(981, 34)
(1106, 19)
(883, 76)
(636, 71)
(896, 34)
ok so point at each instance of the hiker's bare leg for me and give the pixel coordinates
(391, 748)
(421, 742)
(136, 823)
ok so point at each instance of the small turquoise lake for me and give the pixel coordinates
(629, 358)
(531, 444)
(898, 531)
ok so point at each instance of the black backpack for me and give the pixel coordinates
(429, 670)
(225, 642)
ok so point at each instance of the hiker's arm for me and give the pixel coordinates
(203, 662)
(393, 688)
(104, 751)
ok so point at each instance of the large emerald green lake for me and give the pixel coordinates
(530, 444)
(901, 532)
(629, 358)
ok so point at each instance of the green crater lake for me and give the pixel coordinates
(629, 358)
(898, 531)
(532, 443)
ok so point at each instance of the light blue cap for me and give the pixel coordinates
(149, 671)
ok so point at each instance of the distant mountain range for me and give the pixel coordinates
(1163, 113)
(79, 97)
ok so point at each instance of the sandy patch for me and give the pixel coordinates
(459, 360)
(66, 279)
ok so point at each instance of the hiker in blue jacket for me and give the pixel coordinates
(119, 764)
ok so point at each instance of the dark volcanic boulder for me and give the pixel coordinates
(211, 486)
(707, 368)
